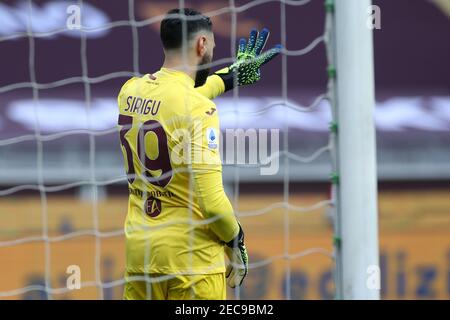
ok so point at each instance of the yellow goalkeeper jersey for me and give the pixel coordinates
(178, 214)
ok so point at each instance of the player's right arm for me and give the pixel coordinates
(207, 176)
(214, 203)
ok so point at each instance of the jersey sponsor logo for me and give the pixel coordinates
(212, 138)
(211, 112)
(158, 194)
(153, 207)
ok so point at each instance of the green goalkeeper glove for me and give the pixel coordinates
(246, 69)
(236, 252)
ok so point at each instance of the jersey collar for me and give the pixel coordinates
(178, 74)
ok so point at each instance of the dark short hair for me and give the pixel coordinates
(172, 26)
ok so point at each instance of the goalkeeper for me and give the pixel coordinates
(171, 251)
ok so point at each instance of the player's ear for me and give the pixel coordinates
(201, 46)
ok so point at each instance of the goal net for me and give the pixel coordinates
(63, 196)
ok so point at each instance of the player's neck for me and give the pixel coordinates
(178, 65)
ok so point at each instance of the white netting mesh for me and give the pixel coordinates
(52, 288)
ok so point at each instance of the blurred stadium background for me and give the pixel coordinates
(413, 147)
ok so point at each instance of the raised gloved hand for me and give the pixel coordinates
(247, 67)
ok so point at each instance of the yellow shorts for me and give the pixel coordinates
(178, 287)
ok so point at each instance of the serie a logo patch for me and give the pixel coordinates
(212, 136)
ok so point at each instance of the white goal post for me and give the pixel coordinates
(357, 256)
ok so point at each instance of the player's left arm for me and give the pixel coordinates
(245, 70)
(213, 87)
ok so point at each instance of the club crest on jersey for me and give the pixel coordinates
(212, 137)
